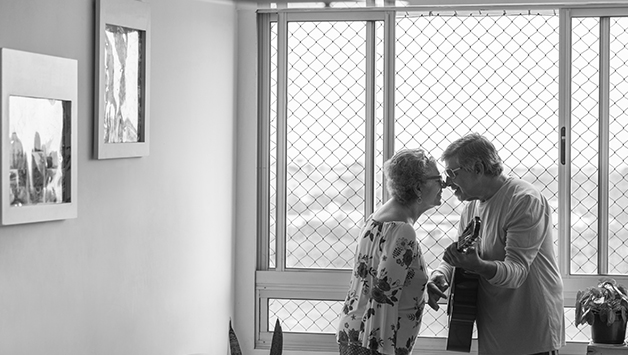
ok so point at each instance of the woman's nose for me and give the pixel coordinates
(449, 182)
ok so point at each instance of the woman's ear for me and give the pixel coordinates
(417, 190)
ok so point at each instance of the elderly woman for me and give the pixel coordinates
(384, 305)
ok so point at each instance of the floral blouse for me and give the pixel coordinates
(384, 305)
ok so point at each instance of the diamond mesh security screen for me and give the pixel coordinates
(273, 145)
(586, 147)
(454, 74)
(321, 317)
(618, 149)
(325, 142)
(496, 74)
(304, 315)
(585, 130)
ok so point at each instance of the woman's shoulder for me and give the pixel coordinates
(386, 219)
(395, 228)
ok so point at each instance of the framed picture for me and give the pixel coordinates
(122, 79)
(39, 109)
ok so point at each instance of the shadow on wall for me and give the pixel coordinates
(276, 345)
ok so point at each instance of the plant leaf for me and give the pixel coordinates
(589, 317)
(276, 345)
(610, 317)
(609, 300)
(234, 345)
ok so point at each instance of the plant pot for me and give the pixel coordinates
(601, 333)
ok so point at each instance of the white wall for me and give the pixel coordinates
(246, 234)
(145, 269)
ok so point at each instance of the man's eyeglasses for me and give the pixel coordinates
(451, 173)
(442, 183)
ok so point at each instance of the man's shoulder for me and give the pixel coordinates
(522, 190)
(518, 184)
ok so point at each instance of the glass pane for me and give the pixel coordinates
(495, 75)
(272, 188)
(585, 145)
(39, 167)
(313, 316)
(123, 63)
(581, 333)
(379, 113)
(618, 169)
(325, 142)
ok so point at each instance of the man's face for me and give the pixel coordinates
(461, 181)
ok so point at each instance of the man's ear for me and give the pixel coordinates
(479, 168)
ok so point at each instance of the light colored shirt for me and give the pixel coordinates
(384, 305)
(520, 309)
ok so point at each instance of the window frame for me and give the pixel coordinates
(575, 282)
(280, 282)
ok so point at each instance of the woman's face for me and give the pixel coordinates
(432, 187)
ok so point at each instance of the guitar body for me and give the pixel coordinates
(462, 304)
(462, 310)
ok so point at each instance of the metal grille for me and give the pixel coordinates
(454, 74)
(584, 135)
(586, 147)
(493, 74)
(321, 223)
(496, 75)
(322, 317)
(618, 177)
(325, 142)
(304, 315)
(572, 333)
(273, 147)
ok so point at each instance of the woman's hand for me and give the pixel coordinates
(436, 287)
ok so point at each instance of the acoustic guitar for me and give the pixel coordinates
(461, 306)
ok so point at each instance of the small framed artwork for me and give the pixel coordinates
(122, 67)
(39, 162)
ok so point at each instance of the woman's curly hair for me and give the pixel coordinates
(406, 169)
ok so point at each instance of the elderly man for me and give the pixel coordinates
(520, 292)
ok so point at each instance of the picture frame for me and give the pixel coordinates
(38, 105)
(122, 80)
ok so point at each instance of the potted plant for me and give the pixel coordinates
(605, 308)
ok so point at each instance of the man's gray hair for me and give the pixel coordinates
(474, 150)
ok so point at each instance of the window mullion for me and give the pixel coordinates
(604, 120)
(369, 179)
(564, 166)
(264, 141)
(389, 90)
(282, 117)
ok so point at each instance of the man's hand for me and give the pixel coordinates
(469, 260)
(436, 287)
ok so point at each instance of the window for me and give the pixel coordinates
(340, 91)
(597, 122)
